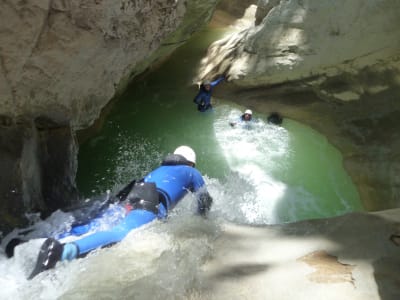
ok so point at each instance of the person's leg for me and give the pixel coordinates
(134, 219)
(111, 216)
(52, 250)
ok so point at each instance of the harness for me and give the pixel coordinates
(143, 195)
(146, 195)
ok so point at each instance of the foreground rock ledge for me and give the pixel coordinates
(349, 258)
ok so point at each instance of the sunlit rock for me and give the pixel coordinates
(334, 65)
(347, 257)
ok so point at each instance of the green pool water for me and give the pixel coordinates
(267, 174)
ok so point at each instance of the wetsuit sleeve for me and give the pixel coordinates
(217, 81)
(197, 180)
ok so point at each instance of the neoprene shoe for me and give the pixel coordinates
(49, 254)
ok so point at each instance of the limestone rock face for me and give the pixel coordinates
(61, 62)
(334, 65)
(300, 39)
(65, 59)
(355, 257)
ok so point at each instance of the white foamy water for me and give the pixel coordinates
(160, 260)
(251, 151)
(260, 156)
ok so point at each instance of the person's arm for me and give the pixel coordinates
(217, 81)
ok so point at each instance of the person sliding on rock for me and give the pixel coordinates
(150, 198)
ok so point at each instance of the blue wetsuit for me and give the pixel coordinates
(247, 124)
(173, 182)
(203, 97)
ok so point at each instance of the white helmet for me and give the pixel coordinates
(248, 111)
(187, 153)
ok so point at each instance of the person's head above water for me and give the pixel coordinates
(247, 115)
(207, 85)
(187, 152)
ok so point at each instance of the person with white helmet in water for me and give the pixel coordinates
(244, 119)
(148, 199)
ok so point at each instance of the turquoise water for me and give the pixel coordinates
(263, 175)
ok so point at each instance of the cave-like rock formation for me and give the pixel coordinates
(61, 62)
(334, 65)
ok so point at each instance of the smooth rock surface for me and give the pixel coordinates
(349, 257)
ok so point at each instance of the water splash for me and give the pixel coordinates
(130, 156)
(266, 185)
(160, 260)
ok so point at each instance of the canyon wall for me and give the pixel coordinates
(61, 62)
(334, 65)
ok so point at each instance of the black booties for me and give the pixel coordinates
(50, 253)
